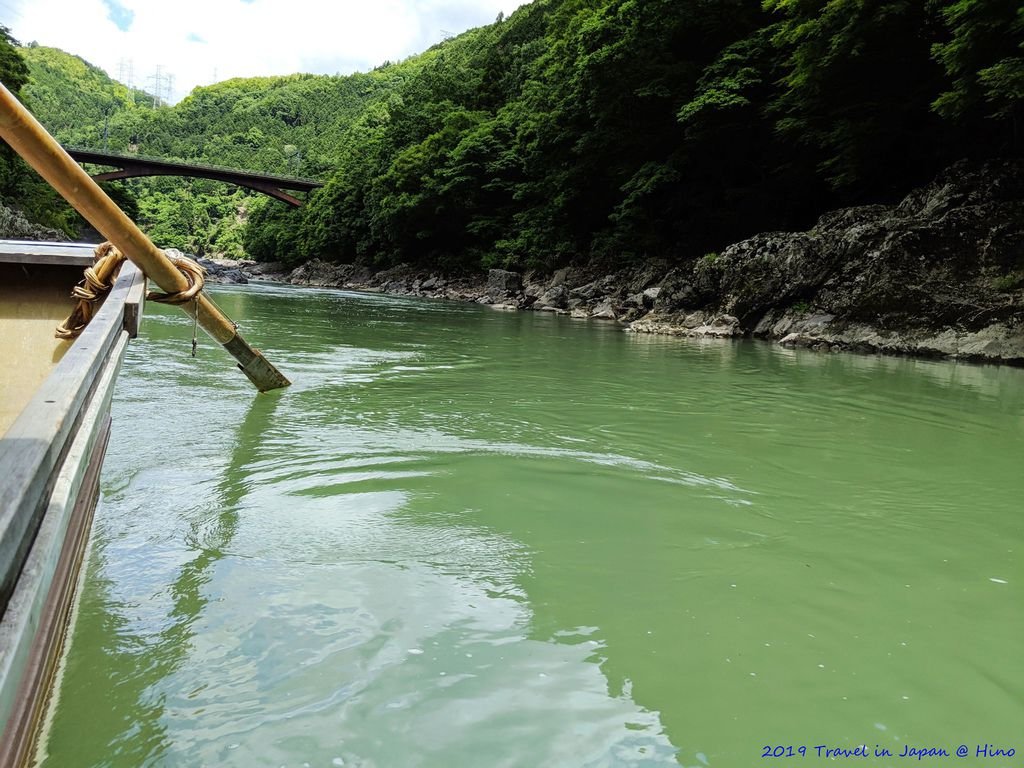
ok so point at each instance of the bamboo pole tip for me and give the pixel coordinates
(255, 366)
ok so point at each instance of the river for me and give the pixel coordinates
(465, 537)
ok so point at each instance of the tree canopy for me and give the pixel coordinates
(611, 130)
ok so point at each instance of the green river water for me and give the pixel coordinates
(474, 538)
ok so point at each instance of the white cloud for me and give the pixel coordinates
(204, 41)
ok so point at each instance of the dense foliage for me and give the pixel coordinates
(622, 130)
(76, 97)
(613, 130)
(20, 187)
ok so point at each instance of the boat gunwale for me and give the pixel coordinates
(35, 252)
(33, 628)
(35, 444)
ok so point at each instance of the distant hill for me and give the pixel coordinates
(278, 124)
(292, 124)
(71, 96)
(275, 124)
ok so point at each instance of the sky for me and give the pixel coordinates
(200, 42)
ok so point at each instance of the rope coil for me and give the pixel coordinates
(97, 282)
(99, 279)
(193, 272)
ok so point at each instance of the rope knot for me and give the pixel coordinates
(194, 274)
(96, 284)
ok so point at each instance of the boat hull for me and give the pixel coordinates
(50, 460)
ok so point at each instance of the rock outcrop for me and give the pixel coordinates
(938, 274)
(14, 226)
(225, 270)
(502, 284)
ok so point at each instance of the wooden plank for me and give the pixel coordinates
(34, 299)
(33, 627)
(37, 252)
(135, 299)
(37, 440)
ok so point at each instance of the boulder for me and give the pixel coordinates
(260, 268)
(636, 300)
(676, 292)
(556, 297)
(317, 272)
(560, 277)
(234, 276)
(588, 291)
(605, 310)
(650, 296)
(501, 283)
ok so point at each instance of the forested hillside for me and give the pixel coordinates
(601, 130)
(283, 125)
(620, 130)
(22, 193)
(75, 97)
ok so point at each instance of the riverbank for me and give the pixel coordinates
(940, 274)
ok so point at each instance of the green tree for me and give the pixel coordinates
(984, 59)
(13, 69)
(14, 75)
(858, 80)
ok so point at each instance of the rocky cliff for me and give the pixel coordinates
(941, 273)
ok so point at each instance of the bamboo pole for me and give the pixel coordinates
(40, 150)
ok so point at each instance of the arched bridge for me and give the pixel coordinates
(131, 166)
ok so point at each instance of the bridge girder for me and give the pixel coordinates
(267, 188)
(134, 166)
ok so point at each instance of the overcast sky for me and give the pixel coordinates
(205, 41)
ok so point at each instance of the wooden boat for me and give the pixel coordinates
(55, 424)
(55, 410)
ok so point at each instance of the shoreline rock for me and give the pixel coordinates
(227, 270)
(940, 274)
(14, 226)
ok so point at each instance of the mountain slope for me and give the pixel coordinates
(70, 96)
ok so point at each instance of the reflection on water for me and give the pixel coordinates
(468, 538)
